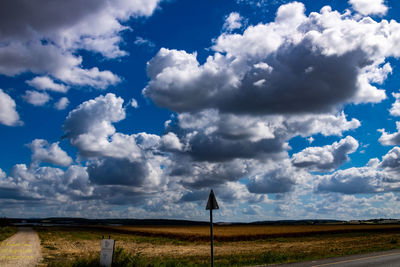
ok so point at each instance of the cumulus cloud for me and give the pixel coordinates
(353, 181)
(276, 181)
(62, 103)
(45, 42)
(199, 175)
(45, 83)
(2, 174)
(326, 124)
(210, 135)
(170, 141)
(111, 171)
(395, 109)
(42, 151)
(36, 98)
(8, 113)
(391, 159)
(90, 128)
(232, 22)
(376, 177)
(116, 159)
(315, 64)
(388, 139)
(369, 7)
(325, 158)
(47, 183)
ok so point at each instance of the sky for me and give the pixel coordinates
(136, 109)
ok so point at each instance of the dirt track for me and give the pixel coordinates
(21, 250)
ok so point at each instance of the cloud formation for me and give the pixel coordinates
(395, 109)
(8, 113)
(62, 103)
(325, 158)
(388, 139)
(36, 98)
(45, 42)
(369, 7)
(45, 83)
(42, 151)
(232, 22)
(314, 64)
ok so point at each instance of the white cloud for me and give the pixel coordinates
(89, 127)
(42, 151)
(66, 27)
(170, 141)
(45, 83)
(88, 77)
(337, 52)
(8, 113)
(36, 98)
(46, 184)
(326, 124)
(388, 139)
(395, 109)
(391, 159)
(232, 22)
(325, 158)
(353, 181)
(134, 103)
(369, 7)
(62, 103)
(39, 58)
(2, 174)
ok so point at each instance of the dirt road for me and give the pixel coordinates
(21, 249)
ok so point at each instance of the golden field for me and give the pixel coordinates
(234, 246)
(247, 232)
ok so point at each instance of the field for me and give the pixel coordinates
(7, 231)
(234, 245)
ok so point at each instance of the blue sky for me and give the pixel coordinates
(135, 109)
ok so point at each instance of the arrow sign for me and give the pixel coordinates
(212, 205)
(212, 202)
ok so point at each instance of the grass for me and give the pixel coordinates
(6, 232)
(62, 246)
(122, 259)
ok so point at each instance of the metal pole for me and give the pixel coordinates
(212, 241)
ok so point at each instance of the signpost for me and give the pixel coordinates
(107, 251)
(212, 205)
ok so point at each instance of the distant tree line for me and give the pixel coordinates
(4, 222)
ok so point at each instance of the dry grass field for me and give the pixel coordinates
(247, 232)
(234, 246)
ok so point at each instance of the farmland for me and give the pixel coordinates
(235, 245)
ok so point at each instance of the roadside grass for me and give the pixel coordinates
(71, 246)
(7, 231)
(124, 259)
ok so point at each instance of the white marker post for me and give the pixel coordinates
(212, 205)
(107, 252)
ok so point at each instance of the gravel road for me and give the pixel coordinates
(21, 249)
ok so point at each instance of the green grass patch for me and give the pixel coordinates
(7, 231)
